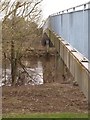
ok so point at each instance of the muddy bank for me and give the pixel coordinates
(50, 97)
(56, 94)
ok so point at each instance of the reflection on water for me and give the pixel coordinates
(6, 79)
(35, 78)
(40, 70)
(36, 75)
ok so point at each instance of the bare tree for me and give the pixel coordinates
(15, 11)
(26, 9)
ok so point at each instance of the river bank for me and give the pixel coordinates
(56, 94)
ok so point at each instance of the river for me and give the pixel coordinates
(40, 70)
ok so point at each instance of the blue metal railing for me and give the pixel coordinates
(73, 25)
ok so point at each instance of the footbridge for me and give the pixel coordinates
(69, 31)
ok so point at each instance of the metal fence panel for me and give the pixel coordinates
(74, 27)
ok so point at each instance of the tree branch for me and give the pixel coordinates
(11, 12)
(32, 9)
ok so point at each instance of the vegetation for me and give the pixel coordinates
(20, 29)
(48, 115)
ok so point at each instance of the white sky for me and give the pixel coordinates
(53, 6)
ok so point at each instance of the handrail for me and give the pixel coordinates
(85, 6)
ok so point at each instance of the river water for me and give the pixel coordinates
(40, 71)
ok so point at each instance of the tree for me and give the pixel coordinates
(19, 16)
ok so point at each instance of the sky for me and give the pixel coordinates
(53, 6)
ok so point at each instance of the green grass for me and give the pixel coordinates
(47, 115)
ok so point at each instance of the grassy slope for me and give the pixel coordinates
(47, 115)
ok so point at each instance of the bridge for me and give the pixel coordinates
(69, 31)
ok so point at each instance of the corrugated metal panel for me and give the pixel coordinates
(89, 34)
(74, 27)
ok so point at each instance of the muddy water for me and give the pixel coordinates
(42, 70)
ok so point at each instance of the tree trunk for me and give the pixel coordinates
(13, 56)
(5, 66)
(12, 62)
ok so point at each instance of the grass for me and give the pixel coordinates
(46, 115)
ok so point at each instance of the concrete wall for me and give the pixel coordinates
(78, 67)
